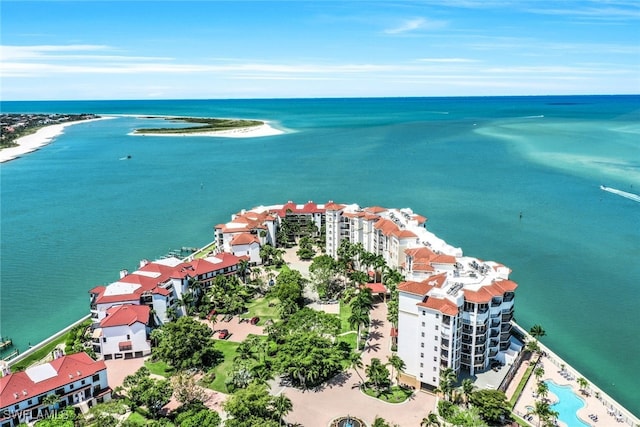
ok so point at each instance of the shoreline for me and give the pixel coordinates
(42, 137)
(552, 373)
(264, 129)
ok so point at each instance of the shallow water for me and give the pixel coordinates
(73, 213)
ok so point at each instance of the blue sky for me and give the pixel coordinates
(266, 49)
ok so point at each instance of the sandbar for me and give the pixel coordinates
(264, 129)
(37, 140)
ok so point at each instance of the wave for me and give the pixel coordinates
(631, 196)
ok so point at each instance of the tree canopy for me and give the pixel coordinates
(187, 343)
(492, 405)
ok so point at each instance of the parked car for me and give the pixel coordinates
(223, 334)
(254, 320)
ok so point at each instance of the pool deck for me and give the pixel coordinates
(608, 411)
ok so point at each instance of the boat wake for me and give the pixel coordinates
(631, 196)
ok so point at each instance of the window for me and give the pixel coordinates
(422, 344)
(423, 335)
(435, 358)
(420, 374)
(421, 365)
(70, 386)
(96, 377)
(435, 348)
(128, 337)
(437, 315)
(436, 327)
(104, 339)
(435, 369)
(423, 324)
(30, 402)
(436, 338)
(434, 379)
(421, 354)
(424, 313)
(83, 381)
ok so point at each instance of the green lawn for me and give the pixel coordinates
(345, 312)
(350, 338)
(204, 251)
(260, 307)
(39, 354)
(394, 395)
(228, 348)
(159, 368)
(521, 385)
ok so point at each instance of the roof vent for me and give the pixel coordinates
(15, 395)
(24, 392)
(70, 375)
(79, 373)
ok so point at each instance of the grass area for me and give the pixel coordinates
(520, 421)
(228, 348)
(260, 307)
(349, 338)
(521, 385)
(208, 125)
(393, 395)
(159, 368)
(204, 251)
(39, 354)
(345, 313)
(137, 418)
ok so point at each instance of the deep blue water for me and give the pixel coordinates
(73, 214)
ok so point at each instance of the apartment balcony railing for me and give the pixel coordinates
(493, 353)
(494, 343)
(505, 337)
(480, 340)
(444, 358)
(504, 346)
(494, 333)
(509, 296)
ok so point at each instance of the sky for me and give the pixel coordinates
(54, 50)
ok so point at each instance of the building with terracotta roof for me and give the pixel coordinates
(458, 316)
(76, 379)
(123, 333)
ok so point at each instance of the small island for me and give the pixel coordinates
(208, 125)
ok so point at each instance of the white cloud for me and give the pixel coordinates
(416, 24)
(448, 60)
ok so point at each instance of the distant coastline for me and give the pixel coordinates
(35, 141)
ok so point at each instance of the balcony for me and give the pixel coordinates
(444, 357)
(508, 296)
(493, 353)
(494, 343)
(444, 344)
(506, 327)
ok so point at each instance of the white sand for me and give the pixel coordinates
(35, 141)
(246, 132)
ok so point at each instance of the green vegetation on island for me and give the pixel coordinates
(208, 125)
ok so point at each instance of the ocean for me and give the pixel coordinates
(511, 179)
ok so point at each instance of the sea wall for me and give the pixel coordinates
(46, 341)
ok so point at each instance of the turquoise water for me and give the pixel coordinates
(73, 214)
(568, 405)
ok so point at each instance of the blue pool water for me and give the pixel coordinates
(568, 405)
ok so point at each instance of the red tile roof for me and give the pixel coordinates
(244, 239)
(416, 288)
(442, 305)
(333, 206)
(19, 386)
(125, 315)
(377, 288)
(486, 293)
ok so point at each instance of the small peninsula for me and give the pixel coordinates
(207, 125)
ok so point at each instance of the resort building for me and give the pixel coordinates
(124, 311)
(75, 379)
(123, 333)
(454, 311)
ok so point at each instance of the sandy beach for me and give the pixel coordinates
(247, 132)
(35, 141)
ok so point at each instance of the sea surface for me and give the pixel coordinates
(511, 179)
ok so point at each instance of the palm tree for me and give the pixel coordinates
(377, 373)
(537, 331)
(447, 378)
(543, 390)
(583, 384)
(431, 420)
(51, 400)
(538, 373)
(243, 267)
(355, 361)
(541, 409)
(282, 405)
(357, 319)
(398, 364)
(467, 387)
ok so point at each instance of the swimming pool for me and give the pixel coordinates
(568, 404)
